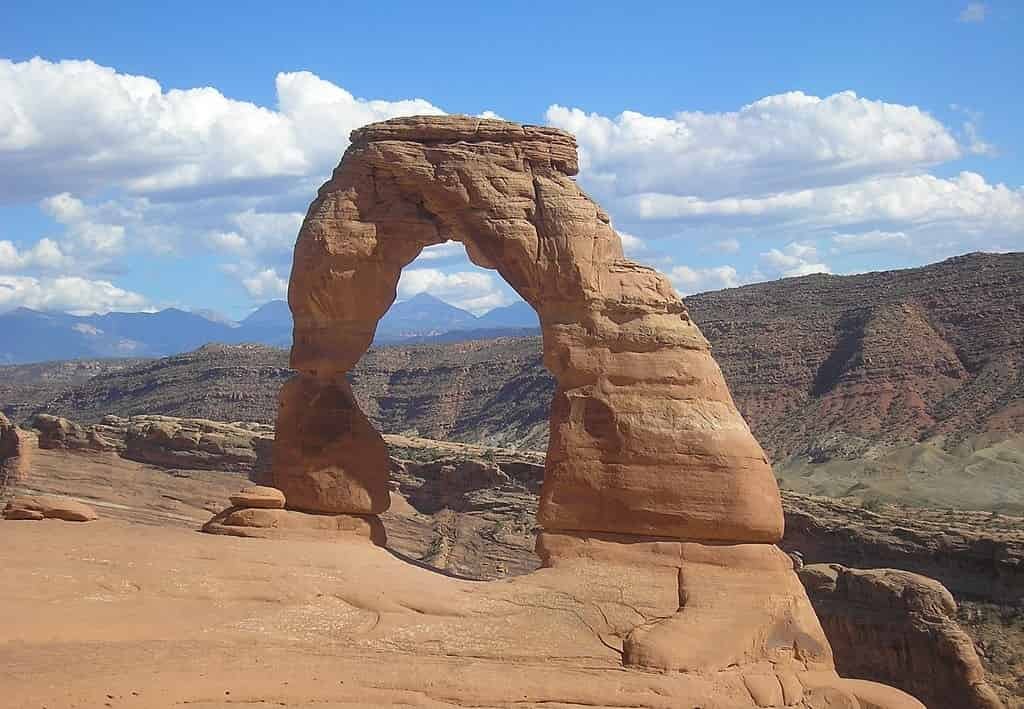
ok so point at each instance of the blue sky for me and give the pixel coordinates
(153, 157)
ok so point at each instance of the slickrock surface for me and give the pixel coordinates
(645, 436)
(265, 523)
(909, 623)
(48, 507)
(168, 617)
(492, 537)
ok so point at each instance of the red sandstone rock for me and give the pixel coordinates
(19, 513)
(327, 455)
(60, 433)
(645, 436)
(264, 523)
(652, 477)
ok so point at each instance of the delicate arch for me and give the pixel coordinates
(645, 438)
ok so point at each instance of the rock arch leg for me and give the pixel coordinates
(328, 457)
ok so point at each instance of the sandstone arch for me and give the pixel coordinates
(645, 438)
(660, 510)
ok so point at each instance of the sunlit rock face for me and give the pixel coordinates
(645, 438)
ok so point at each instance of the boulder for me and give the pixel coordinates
(258, 496)
(899, 628)
(49, 507)
(57, 433)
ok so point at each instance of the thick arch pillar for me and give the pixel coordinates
(645, 438)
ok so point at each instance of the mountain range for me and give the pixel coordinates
(33, 336)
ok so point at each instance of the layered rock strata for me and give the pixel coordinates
(649, 465)
(57, 433)
(194, 443)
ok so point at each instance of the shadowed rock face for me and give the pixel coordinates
(645, 438)
(899, 627)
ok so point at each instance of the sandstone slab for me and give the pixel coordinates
(266, 523)
(22, 513)
(57, 433)
(50, 507)
(194, 443)
(258, 496)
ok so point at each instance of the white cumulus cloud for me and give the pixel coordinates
(689, 280)
(45, 254)
(778, 142)
(631, 244)
(967, 200)
(77, 126)
(265, 284)
(795, 259)
(870, 241)
(72, 294)
(974, 12)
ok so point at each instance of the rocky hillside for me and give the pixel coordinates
(220, 382)
(847, 366)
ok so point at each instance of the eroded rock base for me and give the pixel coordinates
(725, 610)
